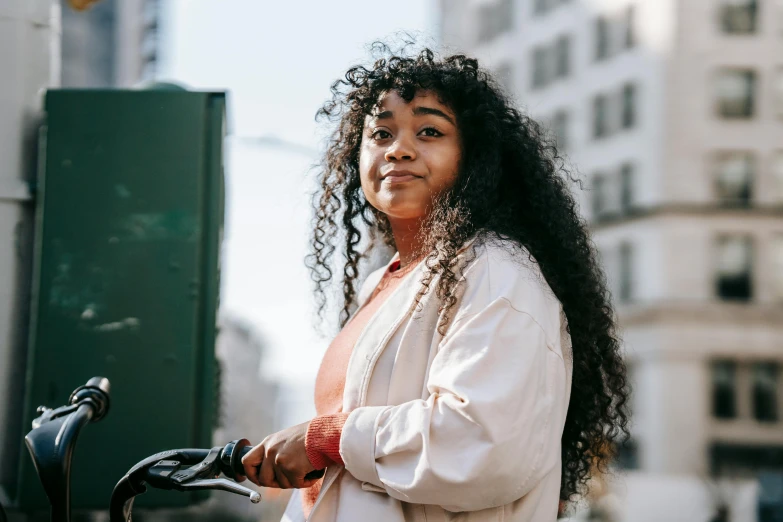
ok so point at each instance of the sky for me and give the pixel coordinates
(277, 61)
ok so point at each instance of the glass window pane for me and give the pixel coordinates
(539, 67)
(734, 173)
(735, 89)
(599, 196)
(629, 106)
(601, 38)
(765, 391)
(626, 187)
(739, 16)
(600, 116)
(563, 57)
(630, 30)
(734, 265)
(724, 389)
(626, 272)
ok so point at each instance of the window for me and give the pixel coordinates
(629, 30)
(562, 57)
(540, 67)
(601, 38)
(626, 187)
(560, 128)
(599, 195)
(626, 272)
(765, 391)
(735, 90)
(734, 258)
(600, 116)
(734, 177)
(724, 389)
(629, 106)
(495, 19)
(738, 16)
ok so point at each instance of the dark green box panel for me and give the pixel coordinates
(126, 282)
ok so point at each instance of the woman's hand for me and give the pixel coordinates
(280, 461)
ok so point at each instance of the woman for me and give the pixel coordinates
(481, 373)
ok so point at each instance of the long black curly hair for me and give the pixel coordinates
(511, 184)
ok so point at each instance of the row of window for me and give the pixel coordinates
(617, 111)
(733, 269)
(612, 112)
(758, 381)
(614, 32)
(736, 93)
(734, 176)
(552, 61)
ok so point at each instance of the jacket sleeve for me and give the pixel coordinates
(485, 436)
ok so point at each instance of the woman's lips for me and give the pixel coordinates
(399, 179)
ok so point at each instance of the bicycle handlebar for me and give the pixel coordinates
(52, 440)
(183, 470)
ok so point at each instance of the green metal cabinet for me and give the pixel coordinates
(126, 277)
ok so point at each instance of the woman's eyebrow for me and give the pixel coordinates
(435, 112)
(418, 111)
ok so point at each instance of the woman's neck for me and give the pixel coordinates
(406, 239)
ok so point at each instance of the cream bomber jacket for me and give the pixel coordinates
(465, 426)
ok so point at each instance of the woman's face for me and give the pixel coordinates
(409, 154)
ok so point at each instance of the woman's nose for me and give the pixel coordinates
(400, 149)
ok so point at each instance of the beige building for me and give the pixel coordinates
(672, 112)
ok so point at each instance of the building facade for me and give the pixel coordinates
(115, 43)
(671, 111)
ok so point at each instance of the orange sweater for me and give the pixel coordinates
(322, 442)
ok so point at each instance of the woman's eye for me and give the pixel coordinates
(376, 133)
(435, 132)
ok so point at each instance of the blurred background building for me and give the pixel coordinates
(113, 44)
(672, 111)
(247, 411)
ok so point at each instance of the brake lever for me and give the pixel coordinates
(169, 473)
(221, 484)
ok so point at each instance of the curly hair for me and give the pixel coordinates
(511, 184)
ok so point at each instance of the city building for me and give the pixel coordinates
(115, 43)
(671, 111)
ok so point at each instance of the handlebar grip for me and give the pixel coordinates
(244, 451)
(231, 461)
